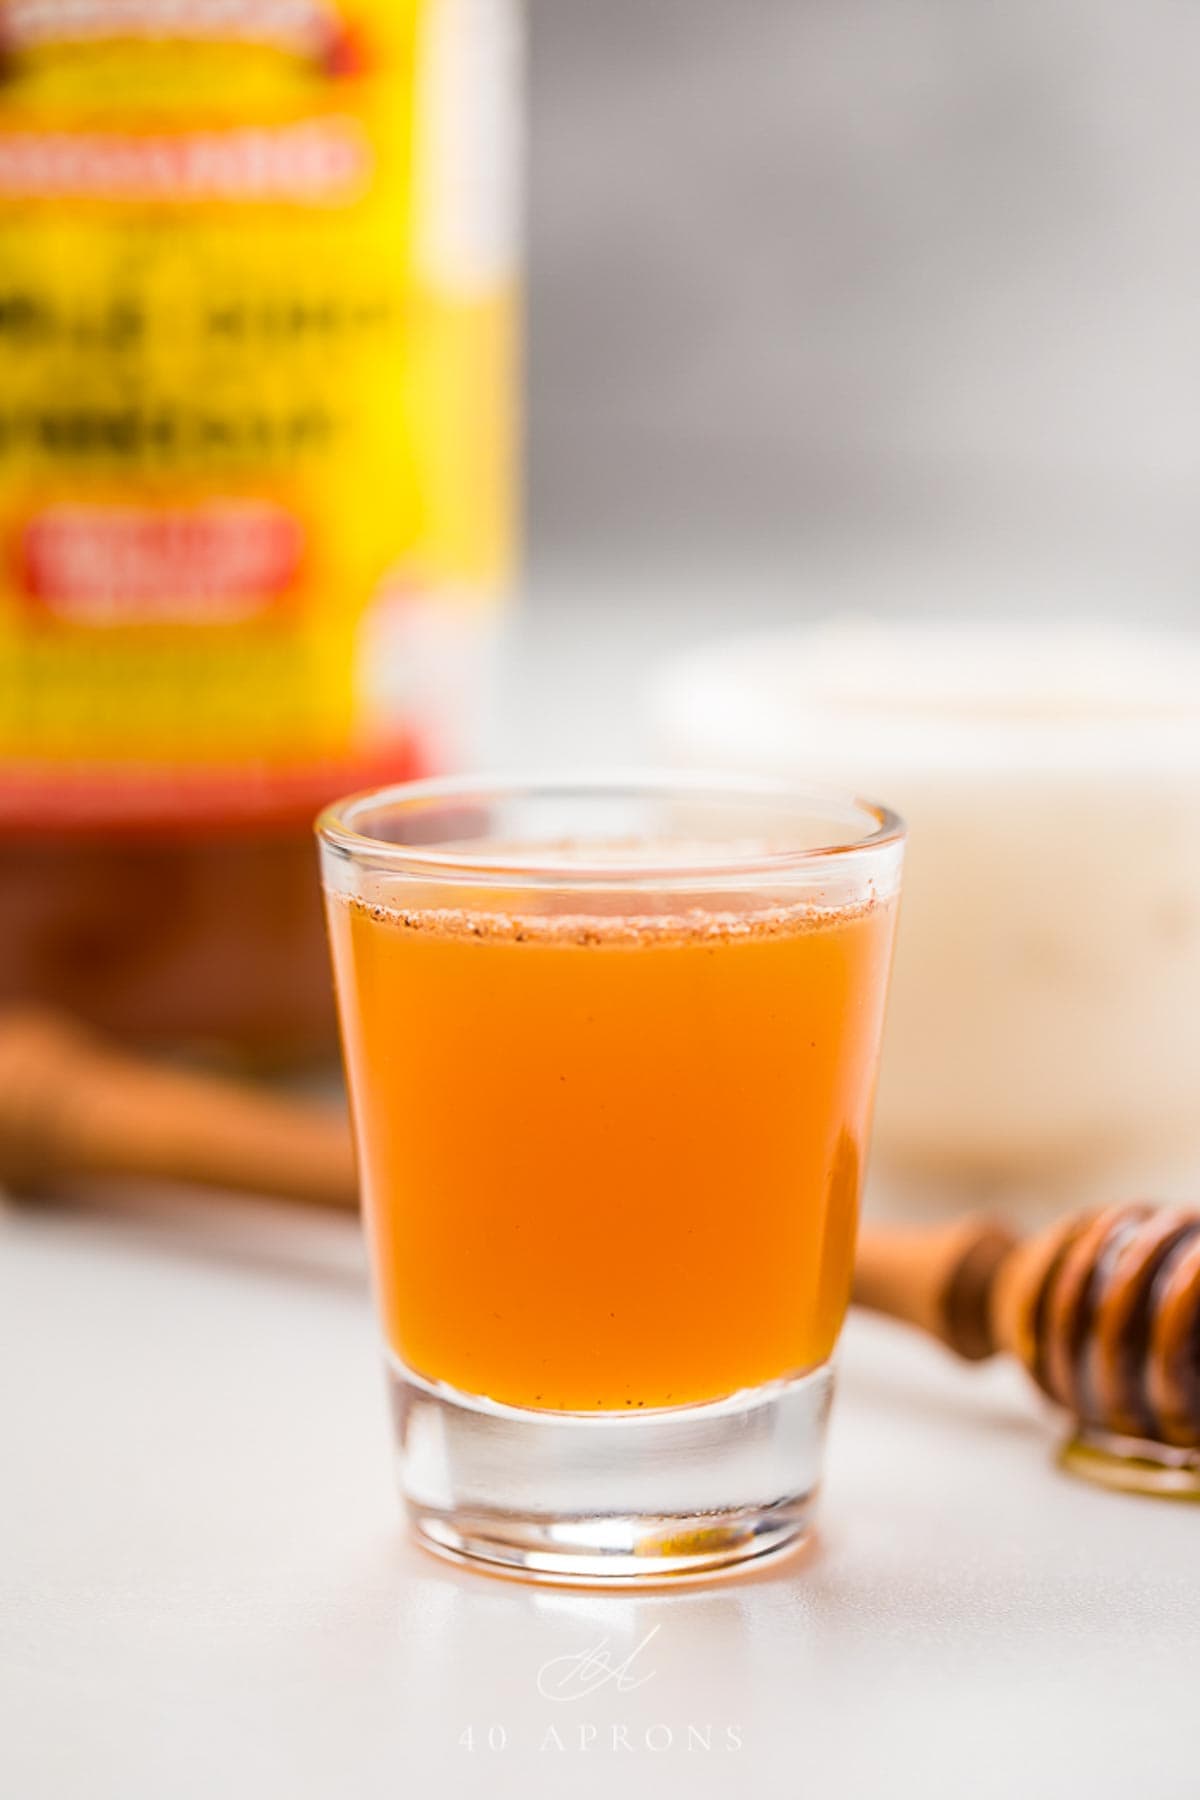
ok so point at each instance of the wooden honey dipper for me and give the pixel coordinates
(1102, 1309)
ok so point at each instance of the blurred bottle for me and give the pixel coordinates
(257, 308)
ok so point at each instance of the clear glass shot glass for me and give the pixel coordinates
(611, 1050)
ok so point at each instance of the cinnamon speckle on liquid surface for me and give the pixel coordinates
(618, 930)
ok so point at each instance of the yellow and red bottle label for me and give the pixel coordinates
(256, 338)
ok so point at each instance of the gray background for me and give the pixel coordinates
(886, 276)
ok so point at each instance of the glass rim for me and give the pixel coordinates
(335, 827)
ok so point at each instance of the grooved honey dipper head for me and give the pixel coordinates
(1104, 1311)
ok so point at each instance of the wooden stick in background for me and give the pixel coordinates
(72, 1105)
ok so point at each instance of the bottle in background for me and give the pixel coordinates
(257, 309)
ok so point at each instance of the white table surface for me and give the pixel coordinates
(205, 1587)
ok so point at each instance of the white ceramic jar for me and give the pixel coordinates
(1045, 1014)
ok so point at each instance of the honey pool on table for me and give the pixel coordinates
(608, 1161)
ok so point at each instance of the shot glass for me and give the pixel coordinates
(611, 1051)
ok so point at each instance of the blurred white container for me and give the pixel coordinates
(1045, 1013)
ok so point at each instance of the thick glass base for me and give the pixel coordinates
(611, 1499)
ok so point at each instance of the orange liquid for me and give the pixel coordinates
(608, 1163)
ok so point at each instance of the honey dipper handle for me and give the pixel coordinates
(71, 1105)
(937, 1278)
